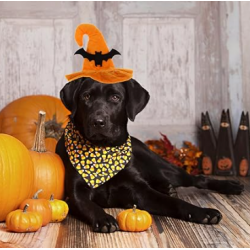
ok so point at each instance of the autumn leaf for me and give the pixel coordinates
(185, 157)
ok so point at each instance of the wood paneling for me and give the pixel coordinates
(231, 57)
(38, 9)
(35, 56)
(245, 38)
(161, 53)
(208, 84)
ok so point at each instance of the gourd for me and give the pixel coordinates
(59, 208)
(16, 174)
(48, 166)
(22, 221)
(41, 206)
(134, 220)
(19, 119)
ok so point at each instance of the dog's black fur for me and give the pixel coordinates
(100, 112)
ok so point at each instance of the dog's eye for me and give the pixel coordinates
(115, 98)
(86, 97)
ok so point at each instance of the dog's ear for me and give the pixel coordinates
(137, 98)
(69, 95)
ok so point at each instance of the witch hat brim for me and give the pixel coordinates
(105, 76)
(103, 71)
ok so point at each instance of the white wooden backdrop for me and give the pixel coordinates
(191, 56)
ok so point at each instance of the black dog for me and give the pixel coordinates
(100, 113)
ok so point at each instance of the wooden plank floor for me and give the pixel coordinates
(233, 230)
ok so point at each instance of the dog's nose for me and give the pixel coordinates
(99, 123)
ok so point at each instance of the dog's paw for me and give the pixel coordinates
(231, 187)
(105, 224)
(205, 216)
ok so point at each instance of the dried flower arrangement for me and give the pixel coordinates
(186, 157)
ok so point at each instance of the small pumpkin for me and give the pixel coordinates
(22, 221)
(19, 119)
(134, 220)
(41, 206)
(48, 166)
(16, 174)
(59, 208)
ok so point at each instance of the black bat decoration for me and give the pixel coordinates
(98, 57)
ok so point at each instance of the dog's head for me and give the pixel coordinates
(101, 111)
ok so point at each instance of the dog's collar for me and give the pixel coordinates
(95, 164)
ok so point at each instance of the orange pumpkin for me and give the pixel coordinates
(41, 206)
(19, 119)
(16, 174)
(22, 221)
(48, 166)
(134, 220)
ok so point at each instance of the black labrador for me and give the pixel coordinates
(100, 113)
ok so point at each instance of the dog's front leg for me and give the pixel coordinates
(161, 204)
(80, 198)
(86, 210)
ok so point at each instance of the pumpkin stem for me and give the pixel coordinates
(134, 208)
(39, 141)
(35, 196)
(25, 208)
(51, 197)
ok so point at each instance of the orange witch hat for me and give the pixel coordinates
(97, 63)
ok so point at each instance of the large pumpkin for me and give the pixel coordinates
(19, 119)
(16, 174)
(48, 166)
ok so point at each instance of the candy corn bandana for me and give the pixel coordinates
(95, 164)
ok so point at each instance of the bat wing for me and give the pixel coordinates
(109, 55)
(85, 54)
